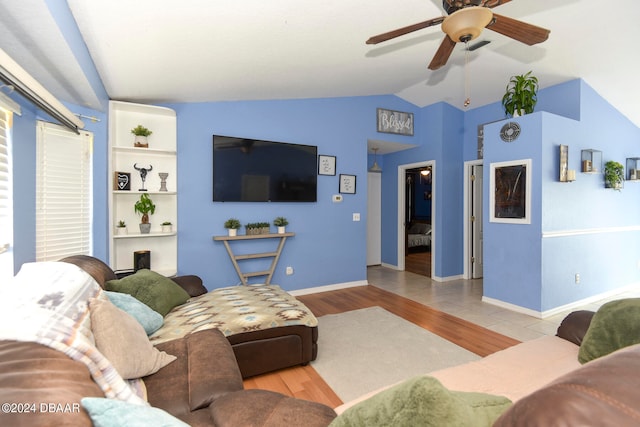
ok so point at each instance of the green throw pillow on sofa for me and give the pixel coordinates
(424, 401)
(614, 326)
(158, 292)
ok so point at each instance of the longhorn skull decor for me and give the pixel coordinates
(143, 174)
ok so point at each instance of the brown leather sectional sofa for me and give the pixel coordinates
(202, 387)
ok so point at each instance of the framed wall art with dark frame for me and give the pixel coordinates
(326, 165)
(347, 184)
(397, 122)
(121, 181)
(510, 192)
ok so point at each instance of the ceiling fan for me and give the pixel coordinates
(465, 21)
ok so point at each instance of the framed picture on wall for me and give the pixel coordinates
(347, 184)
(326, 165)
(510, 192)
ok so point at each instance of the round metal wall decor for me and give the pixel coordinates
(510, 132)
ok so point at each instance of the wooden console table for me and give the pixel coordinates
(235, 258)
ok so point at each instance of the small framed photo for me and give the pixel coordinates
(326, 165)
(121, 181)
(347, 184)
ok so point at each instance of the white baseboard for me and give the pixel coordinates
(391, 266)
(562, 308)
(448, 278)
(327, 288)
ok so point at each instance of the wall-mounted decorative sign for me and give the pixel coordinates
(121, 181)
(397, 122)
(510, 192)
(347, 184)
(326, 165)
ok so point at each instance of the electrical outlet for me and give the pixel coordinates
(577, 278)
(356, 217)
(289, 271)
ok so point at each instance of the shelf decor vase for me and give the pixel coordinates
(121, 231)
(163, 180)
(282, 229)
(145, 228)
(141, 141)
(233, 232)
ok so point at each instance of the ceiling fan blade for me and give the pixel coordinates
(442, 55)
(404, 30)
(518, 30)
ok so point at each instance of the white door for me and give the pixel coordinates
(475, 221)
(374, 218)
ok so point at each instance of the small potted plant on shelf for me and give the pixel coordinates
(613, 175)
(145, 207)
(167, 227)
(521, 95)
(121, 228)
(232, 224)
(254, 228)
(281, 222)
(141, 133)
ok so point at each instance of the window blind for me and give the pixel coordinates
(63, 192)
(6, 211)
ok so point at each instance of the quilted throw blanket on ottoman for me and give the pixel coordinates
(235, 310)
(48, 303)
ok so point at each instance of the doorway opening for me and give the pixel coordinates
(416, 218)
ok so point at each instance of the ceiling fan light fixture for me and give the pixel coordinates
(466, 24)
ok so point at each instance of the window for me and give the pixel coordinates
(6, 199)
(63, 192)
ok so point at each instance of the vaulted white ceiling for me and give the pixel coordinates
(205, 50)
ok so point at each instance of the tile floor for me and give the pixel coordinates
(463, 298)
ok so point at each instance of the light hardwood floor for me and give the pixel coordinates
(305, 383)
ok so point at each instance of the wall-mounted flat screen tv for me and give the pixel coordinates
(253, 170)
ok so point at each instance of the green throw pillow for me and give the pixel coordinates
(117, 413)
(158, 292)
(150, 320)
(424, 401)
(614, 326)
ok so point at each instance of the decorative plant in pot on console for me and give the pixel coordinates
(521, 95)
(141, 133)
(281, 222)
(613, 175)
(145, 207)
(232, 224)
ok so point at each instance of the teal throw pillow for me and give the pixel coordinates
(117, 413)
(158, 292)
(424, 401)
(150, 320)
(614, 326)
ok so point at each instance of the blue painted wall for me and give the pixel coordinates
(329, 247)
(577, 228)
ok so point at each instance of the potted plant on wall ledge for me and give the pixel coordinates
(232, 224)
(281, 222)
(613, 175)
(167, 227)
(141, 133)
(521, 95)
(145, 207)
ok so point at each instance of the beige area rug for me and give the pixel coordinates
(363, 350)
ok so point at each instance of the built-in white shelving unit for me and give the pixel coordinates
(161, 156)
